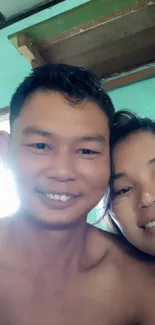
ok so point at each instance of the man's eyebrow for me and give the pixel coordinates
(91, 138)
(117, 176)
(36, 131)
(32, 130)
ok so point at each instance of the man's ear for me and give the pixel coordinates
(4, 147)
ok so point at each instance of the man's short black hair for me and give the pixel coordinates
(76, 84)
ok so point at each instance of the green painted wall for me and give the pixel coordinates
(13, 67)
(139, 97)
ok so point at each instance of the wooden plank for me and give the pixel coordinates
(95, 23)
(82, 14)
(30, 51)
(122, 43)
(109, 45)
(25, 47)
(129, 78)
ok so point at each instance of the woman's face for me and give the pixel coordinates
(133, 188)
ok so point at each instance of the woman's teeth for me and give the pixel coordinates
(150, 224)
(57, 197)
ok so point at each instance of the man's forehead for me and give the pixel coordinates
(53, 102)
(56, 116)
(55, 109)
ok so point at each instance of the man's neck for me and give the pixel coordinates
(58, 250)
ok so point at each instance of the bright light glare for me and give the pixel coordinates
(9, 202)
(4, 125)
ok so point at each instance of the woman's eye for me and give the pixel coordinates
(122, 191)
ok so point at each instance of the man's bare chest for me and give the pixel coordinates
(76, 303)
(63, 312)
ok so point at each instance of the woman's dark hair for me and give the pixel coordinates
(125, 124)
(74, 83)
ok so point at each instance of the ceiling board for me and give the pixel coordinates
(83, 14)
(110, 47)
(111, 44)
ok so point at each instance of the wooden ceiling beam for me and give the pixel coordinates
(29, 51)
(109, 45)
(131, 77)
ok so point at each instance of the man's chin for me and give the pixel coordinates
(52, 221)
(52, 216)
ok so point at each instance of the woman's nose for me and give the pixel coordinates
(147, 199)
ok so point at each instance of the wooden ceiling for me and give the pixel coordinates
(107, 36)
(111, 44)
(108, 47)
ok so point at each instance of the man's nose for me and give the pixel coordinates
(62, 167)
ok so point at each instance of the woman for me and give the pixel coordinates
(133, 179)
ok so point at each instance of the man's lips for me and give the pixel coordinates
(58, 196)
(57, 201)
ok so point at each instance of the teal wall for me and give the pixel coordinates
(13, 67)
(139, 97)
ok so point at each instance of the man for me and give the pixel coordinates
(55, 269)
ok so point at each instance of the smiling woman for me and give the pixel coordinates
(133, 179)
(9, 202)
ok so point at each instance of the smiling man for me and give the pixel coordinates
(55, 269)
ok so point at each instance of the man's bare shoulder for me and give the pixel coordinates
(116, 259)
(6, 233)
(106, 247)
(118, 272)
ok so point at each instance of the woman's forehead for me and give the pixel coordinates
(135, 149)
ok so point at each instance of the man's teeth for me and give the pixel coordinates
(150, 224)
(57, 197)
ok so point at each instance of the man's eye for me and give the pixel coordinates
(39, 146)
(122, 191)
(88, 152)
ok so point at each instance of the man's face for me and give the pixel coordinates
(60, 155)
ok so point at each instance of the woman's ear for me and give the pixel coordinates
(4, 147)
